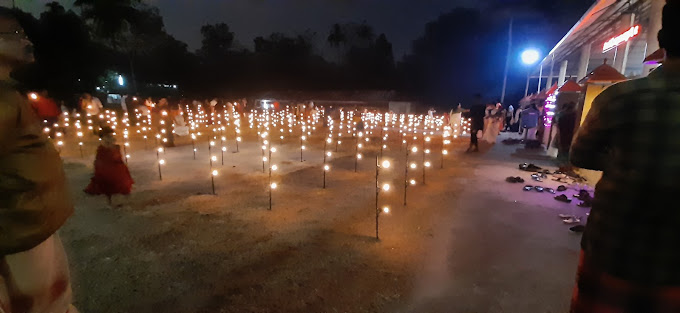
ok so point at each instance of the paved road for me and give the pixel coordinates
(500, 249)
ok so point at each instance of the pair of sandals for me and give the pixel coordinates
(539, 176)
(570, 219)
(585, 202)
(538, 188)
(563, 198)
(529, 167)
(585, 197)
(513, 180)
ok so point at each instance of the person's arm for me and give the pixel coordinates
(590, 146)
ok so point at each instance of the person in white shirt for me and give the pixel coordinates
(91, 105)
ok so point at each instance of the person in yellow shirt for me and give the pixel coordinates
(34, 200)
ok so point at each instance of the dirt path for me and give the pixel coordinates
(171, 247)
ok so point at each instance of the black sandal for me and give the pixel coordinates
(563, 198)
(578, 228)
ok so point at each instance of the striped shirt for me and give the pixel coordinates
(632, 135)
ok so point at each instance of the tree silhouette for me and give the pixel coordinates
(217, 40)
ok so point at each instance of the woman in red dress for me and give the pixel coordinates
(111, 175)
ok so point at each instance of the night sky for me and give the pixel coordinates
(401, 20)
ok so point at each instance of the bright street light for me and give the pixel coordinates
(530, 56)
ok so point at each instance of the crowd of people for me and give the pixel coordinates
(487, 121)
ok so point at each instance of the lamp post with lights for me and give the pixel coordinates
(385, 187)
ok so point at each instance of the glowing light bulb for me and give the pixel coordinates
(161, 161)
(328, 154)
(359, 156)
(386, 164)
(427, 164)
(273, 149)
(414, 149)
(274, 185)
(274, 167)
(264, 159)
(213, 158)
(326, 167)
(412, 181)
(444, 152)
(427, 151)
(386, 187)
(386, 210)
(413, 165)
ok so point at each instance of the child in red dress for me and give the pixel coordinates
(111, 175)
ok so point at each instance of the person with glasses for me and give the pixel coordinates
(34, 199)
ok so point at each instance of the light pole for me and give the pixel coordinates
(507, 62)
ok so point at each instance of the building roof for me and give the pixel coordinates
(571, 86)
(656, 57)
(594, 25)
(604, 74)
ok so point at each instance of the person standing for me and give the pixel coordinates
(509, 114)
(529, 122)
(492, 123)
(629, 259)
(91, 105)
(111, 175)
(34, 199)
(565, 120)
(455, 117)
(477, 112)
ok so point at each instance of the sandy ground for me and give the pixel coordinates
(467, 241)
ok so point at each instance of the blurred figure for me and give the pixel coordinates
(565, 120)
(91, 105)
(455, 118)
(629, 250)
(529, 121)
(492, 123)
(166, 120)
(111, 175)
(34, 200)
(477, 113)
(46, 109)
(509, 115)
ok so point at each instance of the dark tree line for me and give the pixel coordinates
(459, 54)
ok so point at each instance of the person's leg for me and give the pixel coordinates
(37, 280)
(474, 141)
(531, 133)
